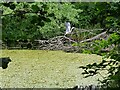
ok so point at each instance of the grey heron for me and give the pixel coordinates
(68, 28)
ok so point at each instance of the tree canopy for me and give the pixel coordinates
(43, 20)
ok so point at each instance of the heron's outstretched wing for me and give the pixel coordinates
(68, 28)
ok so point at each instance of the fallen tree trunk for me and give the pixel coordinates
(97, 37)
(64, 43)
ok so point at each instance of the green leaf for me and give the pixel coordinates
(35, 8)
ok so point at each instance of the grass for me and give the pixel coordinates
(46, 69)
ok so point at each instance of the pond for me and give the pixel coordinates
(46, 69)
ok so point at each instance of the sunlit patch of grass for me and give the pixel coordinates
(42, 68)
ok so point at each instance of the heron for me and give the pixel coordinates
(68, 28)
(72, 33)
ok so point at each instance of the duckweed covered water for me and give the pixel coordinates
(46, 69)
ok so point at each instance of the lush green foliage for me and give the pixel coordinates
(36, 20)
(105, 15)
(40, 20)
(112, 66)
(111, 21)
